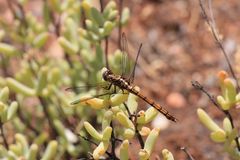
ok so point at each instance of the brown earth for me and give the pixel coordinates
(178, 48)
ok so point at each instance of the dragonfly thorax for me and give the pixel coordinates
(116, 80)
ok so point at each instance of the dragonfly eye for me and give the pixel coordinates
(105, 75)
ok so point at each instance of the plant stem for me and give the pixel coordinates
(198, 86)
(94, 143)
(190, 157)
(27, 122)
(139, 137)
(46, 113)
(3, 136)
(4, 62)
(16, 14)
(233, 126)
(211, 23)
(113, 154)
(101, 5)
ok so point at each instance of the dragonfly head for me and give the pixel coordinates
(105, 73)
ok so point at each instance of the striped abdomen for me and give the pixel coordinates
(153, 104)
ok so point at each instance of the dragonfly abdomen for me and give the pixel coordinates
(155, 105)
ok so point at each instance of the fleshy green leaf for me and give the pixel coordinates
(12, 110)
(97, 16)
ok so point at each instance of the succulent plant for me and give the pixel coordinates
(227, 134)
(32, 97)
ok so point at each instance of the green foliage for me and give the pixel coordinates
(227, 135)
(41, 112)
(21, 149)
(131, 125)
(45, 122)
(7, 111)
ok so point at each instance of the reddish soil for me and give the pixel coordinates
(178, 48)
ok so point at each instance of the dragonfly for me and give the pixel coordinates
(127, 83)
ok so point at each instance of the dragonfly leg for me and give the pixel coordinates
(115, 89)
(108, 87)
(131, 77)
(124, 91)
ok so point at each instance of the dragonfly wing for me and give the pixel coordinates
(128, 68)
(125, 60)
(79, 89)
(96, 96)
(88, 98)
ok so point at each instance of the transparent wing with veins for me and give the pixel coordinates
(125, 59)
(128, 68)
(102, 89)
(79, 89)
(105, 89)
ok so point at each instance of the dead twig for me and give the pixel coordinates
(198, 86)
(185, 150)
(211, 23)
(3, 135)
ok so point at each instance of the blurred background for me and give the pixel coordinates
(177, 48)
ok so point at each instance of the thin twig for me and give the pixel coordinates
(128, 111)
(133, 118)
(27, 122)
(57, 26)
(4, 66)
(3, 136)
(44, 107)
(23, 18)
(65, 118)
(10, 6)
(56, 21)
(139, 137)
(87, 139)
(113, 154)
(46, 113)
(190, 157)
(216, 38)
(94, 143)
(101, 5)
(198, 86)
(15, 15)
(83, 18)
